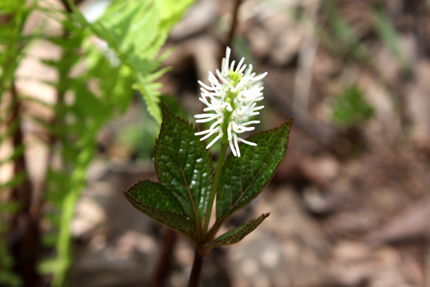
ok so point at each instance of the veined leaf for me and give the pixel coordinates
(158, 203)
(183, 165)
(151, 93)
(243, 178)
(237, 234)
(136, 31)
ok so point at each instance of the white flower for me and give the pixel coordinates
(231, 101)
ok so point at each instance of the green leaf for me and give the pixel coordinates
(183, 164)
(123, 26)
(351, 108)
(244, 178)
(237, 234)
(158, 203)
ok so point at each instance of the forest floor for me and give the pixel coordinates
(349, 204)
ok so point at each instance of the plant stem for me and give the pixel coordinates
(166, 252)
(214, 188)
(196, 271)
(231, 33)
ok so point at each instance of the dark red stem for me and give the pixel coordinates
(233, 24)
(165, 256)
(197, 270)
(26, 222)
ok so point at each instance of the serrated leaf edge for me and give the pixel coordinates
(192, 125)
(242, 199)
(154, 208)
(185, 121)
(165, 111)
(211, 244)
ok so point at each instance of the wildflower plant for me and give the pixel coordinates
(184, 197)
(232, 101)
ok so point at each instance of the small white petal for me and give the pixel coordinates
(208, 109)
(241, 129)
(247, 142)
(240, 64)
(240, 85)
(200, 116)
(242, 69)
(229, 131)
(248, 91)
(222, 64)
(232, 148)
(203, 100)
(250, 123)
(258, 108)
(202, 132)
(213, 80)
(232, 65)
(222, 78)
(248, 72)
(206, 86)
(203, 121)
(236, 145)
(259, 77)
(251, 114)
(215, 124)
(208, 135)
(215, 139)
(227, 59)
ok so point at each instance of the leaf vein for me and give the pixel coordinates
(263, 165)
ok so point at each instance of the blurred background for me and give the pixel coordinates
(349, 204)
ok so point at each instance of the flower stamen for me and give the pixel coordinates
(231, 96)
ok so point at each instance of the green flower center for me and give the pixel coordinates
(230, 96)
(234, 78)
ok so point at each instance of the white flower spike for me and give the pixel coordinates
(231, 101)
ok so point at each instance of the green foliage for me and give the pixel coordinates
(185, 171)
(183, 165)
(12, 45)
(237, 234)
(135, 31)
(139, 137)
(76, 127)
(244, 178)
(350, 108)
(157, 202)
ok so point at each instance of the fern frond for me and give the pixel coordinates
(135, 31)
(12, 47)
